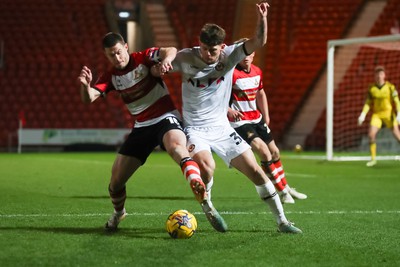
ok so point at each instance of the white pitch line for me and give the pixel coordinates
(332, 212)
(301, 175)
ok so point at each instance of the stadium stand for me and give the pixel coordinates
(304, 55)
(188, 16)
(47, 42)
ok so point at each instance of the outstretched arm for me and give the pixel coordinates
(260, 37)
(396, 101)
(88, 94)
(364, 111)
(167, 55)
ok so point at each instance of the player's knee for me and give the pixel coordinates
(206, 169)
(275, 155)
(371, 139)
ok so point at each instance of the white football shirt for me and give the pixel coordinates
(206, 89)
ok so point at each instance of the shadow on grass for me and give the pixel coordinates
(132, 232)
(136, 197)
(190, 198)
(150, 233)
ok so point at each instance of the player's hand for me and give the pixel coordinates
(165, 67)
(263, 8)
(234, 115)
(85, 77)
(361, 118)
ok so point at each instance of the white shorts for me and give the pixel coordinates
(224, 141)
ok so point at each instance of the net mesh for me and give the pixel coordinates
(353, 72)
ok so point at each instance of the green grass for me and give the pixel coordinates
(54, 206)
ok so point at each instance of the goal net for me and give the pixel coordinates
(350, 70)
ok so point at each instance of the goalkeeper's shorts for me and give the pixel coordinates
(378, 120)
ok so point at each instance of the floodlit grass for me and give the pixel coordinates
(54, 206)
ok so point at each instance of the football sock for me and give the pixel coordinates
(279, 168)
(208, 190)
(190, 169)
(268, 194)
(372, 148)
(118, 199)
(272, 172)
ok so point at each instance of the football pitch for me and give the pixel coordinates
(54, 206)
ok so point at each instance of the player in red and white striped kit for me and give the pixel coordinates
(156, 121)
(249, 115)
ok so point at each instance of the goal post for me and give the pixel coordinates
(350, 65)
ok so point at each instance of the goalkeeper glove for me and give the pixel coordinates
(361, 118)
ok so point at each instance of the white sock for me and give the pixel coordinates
(208, 189)
(120, 212)
(284, 191)
(268, 194)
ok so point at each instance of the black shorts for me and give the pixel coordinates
(142, 141)
(250, 131)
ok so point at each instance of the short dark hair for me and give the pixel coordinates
(212, 34)
(379, 69)
(111, 39)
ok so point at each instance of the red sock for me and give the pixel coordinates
(272, 172)
(118, 198)
(190, 169)
(279, 168)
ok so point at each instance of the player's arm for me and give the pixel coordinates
(262, 105)
(260, 37)
(167, 55)
(396, 101)
(234, 115)
(365, 109)
(88, 94)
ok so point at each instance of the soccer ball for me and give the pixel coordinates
(297, 148)
(181, 224)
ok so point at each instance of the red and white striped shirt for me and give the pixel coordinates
(146, 97)
(244, 91)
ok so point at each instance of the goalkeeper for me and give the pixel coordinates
(381, 96)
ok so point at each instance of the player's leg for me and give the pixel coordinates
(259, 140)
(132, 154)
(396, 132)
(200, 150)
(268, 166)
(123, 168)
(207, 166)
(174, 142)
(375, 125)
(395, 128)
(276, 159)
(247, 164)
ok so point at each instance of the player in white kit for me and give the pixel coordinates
(206, 89)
